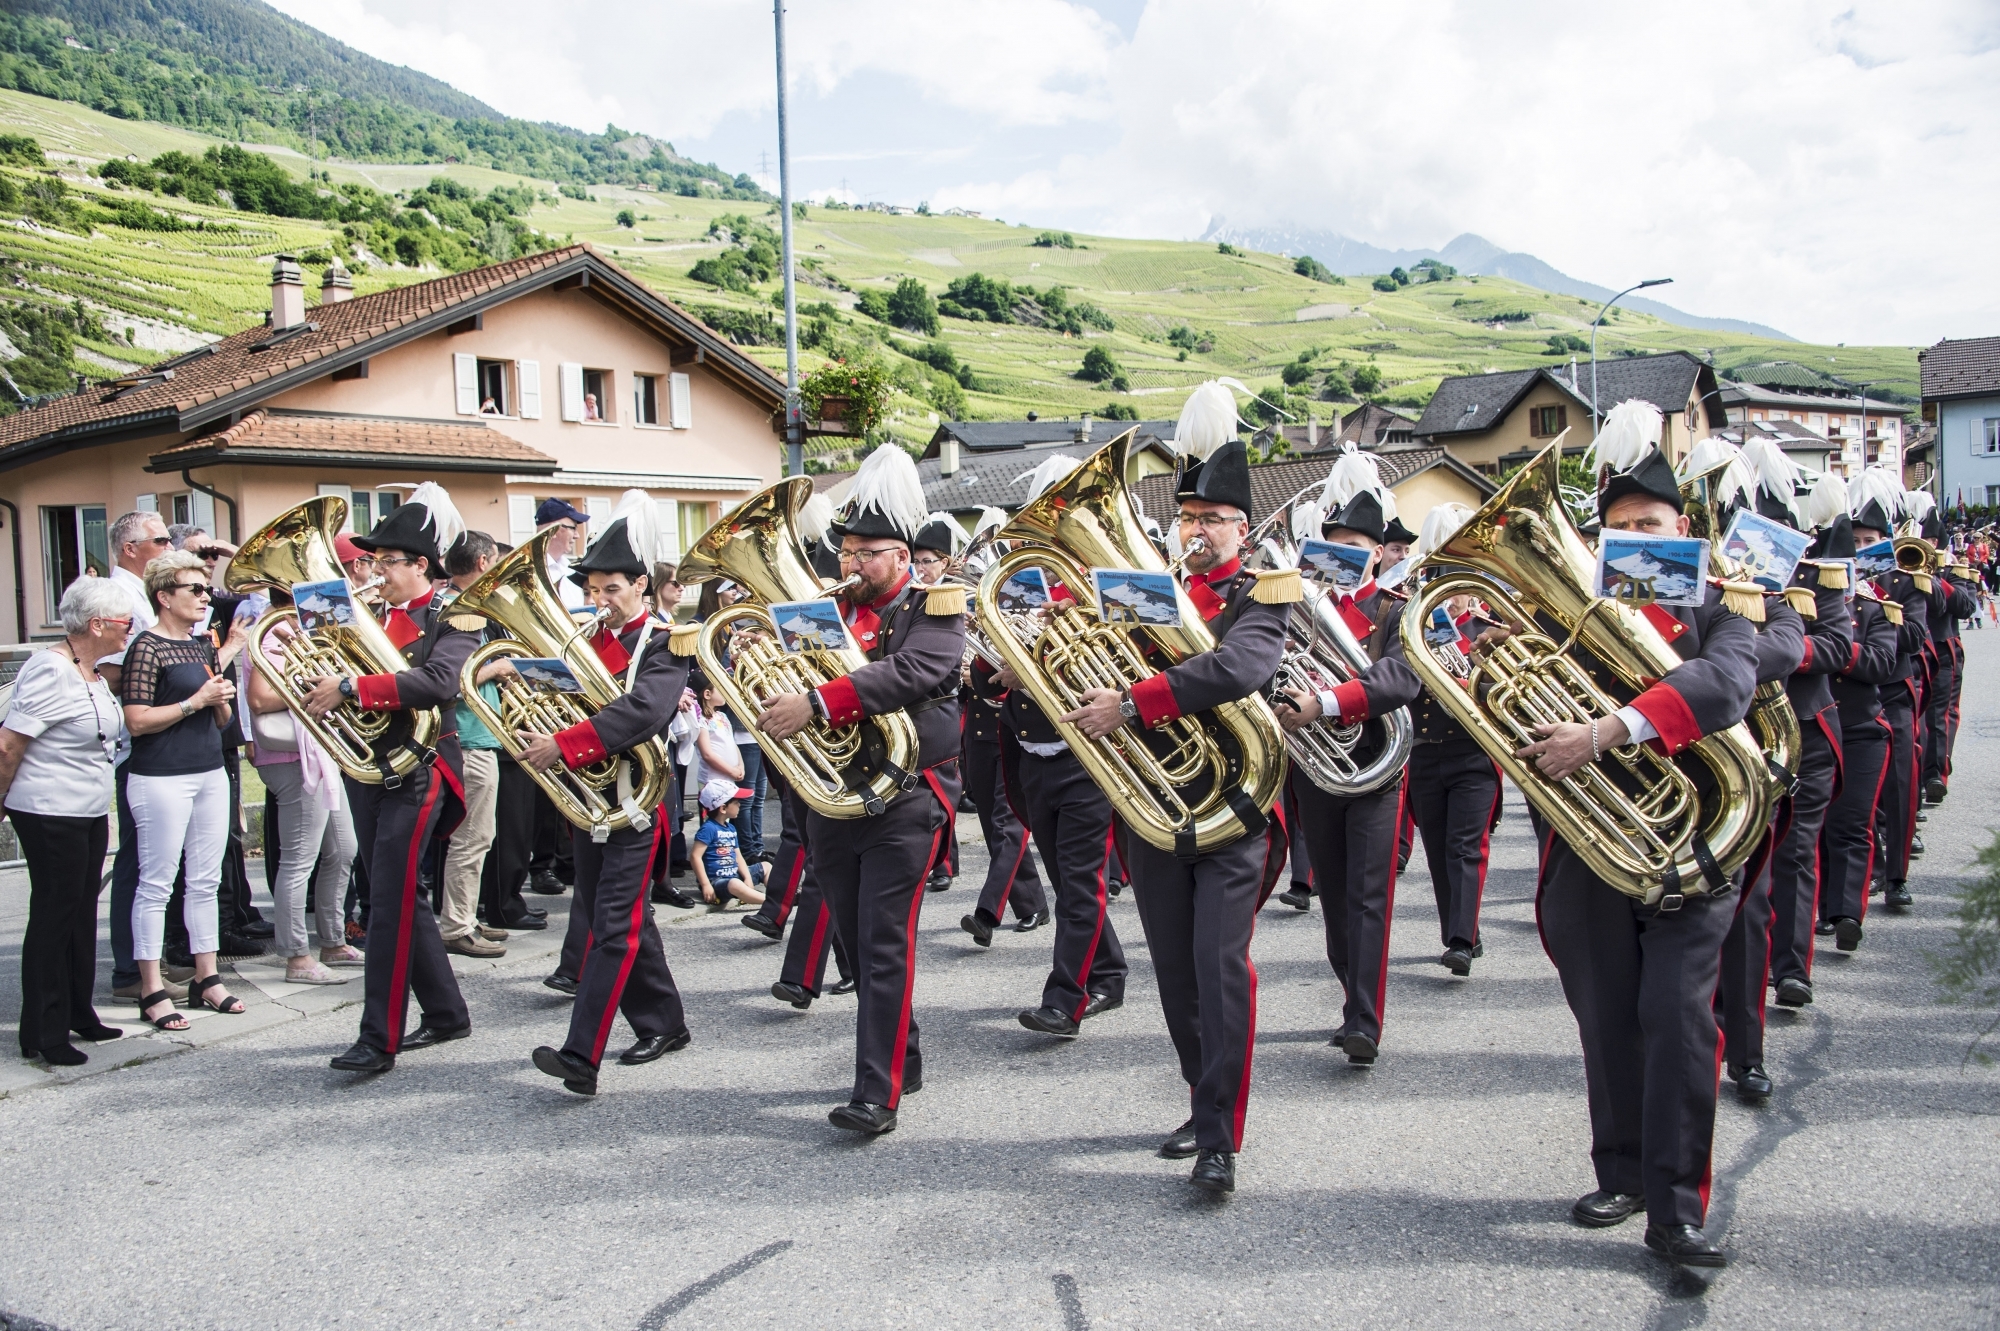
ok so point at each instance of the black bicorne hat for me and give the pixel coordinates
(1932, 527)
(1363, 514)
(824, 556)
(1396, 533)
(1874, 517)
(1223, 477)
(1835, 540)
(408, 528)
(1772, 507)
(1653, 477)
(610, 553)
(937, 535)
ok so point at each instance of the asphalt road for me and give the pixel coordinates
(244, 1185)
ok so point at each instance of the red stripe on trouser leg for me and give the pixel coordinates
(639, 909)
(1486, 850)
(1541, 885)
(902, 1048)
(1881, 779)
(1810, 949)
(406, 914)
(1708, 1156)
(1097, 934)
(1388, 918)
(816, 957)
(1249, 1048)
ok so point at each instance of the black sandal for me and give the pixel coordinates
(170, 1020)
(230, 1006)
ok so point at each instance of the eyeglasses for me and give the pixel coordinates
(198, 588)
(927, 561)
(152, 540)
(124, 623)
(1210, 521)
(394, 559)
(864, 556)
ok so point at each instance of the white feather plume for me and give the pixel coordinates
(1050, 470)
(1630, 431)
(1918, 504)
(1710, 452)
(1777, 475)
(887, 483)
(815, 516)
(642, 527)
(1826, 500)
(1440, 525)
(440, 514)
(1208, 420)
(1352, 472)
(957, 537)
(1880, 485)
(990, 519)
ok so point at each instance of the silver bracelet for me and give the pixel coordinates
(1595, 752)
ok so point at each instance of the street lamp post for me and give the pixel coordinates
(795, 462)
(1604, 310)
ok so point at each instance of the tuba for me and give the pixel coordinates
(839, 771)
(297, 546)
(1197, 782)
(1635, 817)
(607, 795)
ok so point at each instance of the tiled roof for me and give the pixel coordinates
(1273, 483)
(1001, 436)
(1474, 403)
(1968, 367)
(246, 368)
(322, 438)
(990, 478)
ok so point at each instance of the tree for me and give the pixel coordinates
(1224, 247)
(1054, 240)
(626, 219)
(1119, 411)
(1307, 266)
(1385, 283)
(1401, 278)
(1296, 373)
(1098, 366)
(977, 296)
(1367, 379)
(910, 306)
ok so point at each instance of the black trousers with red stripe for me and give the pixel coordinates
(1641, 984)
(1454, 791)
(405, 953)
(1902, 787)
(993, 779)
(1071, 821)
(813, 937)
(1297, 857)
(1951, 715)
(1198, 917)
(1847, 842)
(1353, 846)
(788, 870)
(625, 969)
(1746, 954)
(872, 871)
(1796, 862)
(1938, 712)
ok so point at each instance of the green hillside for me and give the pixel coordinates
(1179, 312)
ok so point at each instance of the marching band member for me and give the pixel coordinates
(1952, 599)
(1878, 497)
(1199, 910)
(930, 561)
(873, 869)
(625, 968)
(1641, 979)
(1353, 840)
(395, 820)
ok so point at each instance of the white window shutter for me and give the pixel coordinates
(201, 511)
(600, 514)
(520, 518)
(681, 398)
(146, 504)
(345, 492)
(667, 516)
(465, 372)
(570, 375)
(530, 375)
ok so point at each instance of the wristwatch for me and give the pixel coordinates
(346, 687)
(1128, 709)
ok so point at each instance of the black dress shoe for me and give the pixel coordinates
(1358, 1048)
(793, 994)
(1049, 1022)
(1478, 950)
(561, 983)
(1824, 929)
(858, 1117)
(527, 923)
(1182, 1144)
(1934, 791)
(1916, 846)
(1846, 934)
(1215, 1171)
(1684, 1245)
(1899, 897)
(844, 985)
(1297, 897)
(363, 1058)
(769, 929)
(673, 896)
(99, 1032)
(1102, 1003)
(652, 1047)
(545, 882)
(259, 929)
(978, 926)
(233, 944)
(1753, 1085)
(1457, 960)
(1922, 817)
(938, 882)
(1601, 1209)
(1032, 922)
(63, 1055)
(575, 1073)
(1117, 887)
(1339, 1038)
(425, 1036)
(1793, 992)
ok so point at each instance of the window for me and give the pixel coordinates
(493, 399)
(190, 506)
(597, 396)
(646, 399)
(365, 508)
(1547, 422)
(75, 541)
(1993, 496)
(1986, 438)
(694, 520)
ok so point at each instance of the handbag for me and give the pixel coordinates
(274, 732)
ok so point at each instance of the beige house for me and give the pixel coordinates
(1420, 478)
(557, 375)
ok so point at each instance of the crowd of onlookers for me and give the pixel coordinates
(147, 710)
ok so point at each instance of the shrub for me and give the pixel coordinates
(1054, 240)
(1367, 379)
(874, 304)
(1401, 278)
(626, 219)
(910, 306)
(1296, 373)
(1335, 388)
(1562, 343)
(992, 297)
(20, 150)
(1119, 411)
(1098, 366)
(1385, 283)
(1307, 266)
(1224, 247)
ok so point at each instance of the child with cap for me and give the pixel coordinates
(719, 865)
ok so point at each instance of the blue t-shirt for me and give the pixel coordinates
(718, 851)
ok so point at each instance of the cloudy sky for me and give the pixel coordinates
(1826, 168)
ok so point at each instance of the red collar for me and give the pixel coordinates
(420, 602)
(889, 596)
(1215, 575)
(1364, 591)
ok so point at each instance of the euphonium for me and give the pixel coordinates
(1188, 782)
(1916, 556)
(1636, 818)
(515, 594)
(840, 771)
(297, 546)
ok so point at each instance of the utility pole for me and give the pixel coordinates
(795, 442)
(1594, 413)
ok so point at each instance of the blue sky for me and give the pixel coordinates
(1824, 167)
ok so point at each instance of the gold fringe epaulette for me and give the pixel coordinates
(682, 640)
(1923, 581)
(1277, 586)
(1833, 576)
(1893, 611)
(1745, 599)
(466, 623)
(945, 599)
(1802, 600)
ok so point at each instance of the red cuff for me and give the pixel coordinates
(1352, 699)
(580, 745)
(1853, 657)
(1805, 662)
(377, 693)
(1154, 697)
(1668, 711)
(843, 703)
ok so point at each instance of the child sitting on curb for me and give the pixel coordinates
(719, 865)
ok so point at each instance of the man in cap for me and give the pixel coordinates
(395, 819)
(873, 869)
(625, 968)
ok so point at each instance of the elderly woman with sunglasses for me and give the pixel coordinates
(176, 706)
(56, 748)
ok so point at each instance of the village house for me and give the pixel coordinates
(1961, 397)
(1862, 432)
(557, 375)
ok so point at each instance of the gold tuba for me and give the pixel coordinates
(297, 546)
(1636, 818)
(840, 771)
(515, 594)
(1183, 782)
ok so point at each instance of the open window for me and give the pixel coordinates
(597, 401)
(645, 399)
(75, 541)
(1547, 422)
(493, 396)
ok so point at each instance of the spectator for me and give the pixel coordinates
(590, 407)
(719, 865)
(565, 523)
(360, 567)
(715, 757)
(176, 707)
(664, 590)
(310, 828)
(136, 539)
(56, 751)
(471, 555)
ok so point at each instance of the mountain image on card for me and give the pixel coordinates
(810, 626)
(1668, 570)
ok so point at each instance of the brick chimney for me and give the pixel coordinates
(335, 285)
(948, 457)
(288, 293)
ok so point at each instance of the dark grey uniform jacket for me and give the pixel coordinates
(1828, 645)
(1250, 643)
(913, 666)
(642, 712)
(1872, 661)
(1780, 642)
(1710, 690)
